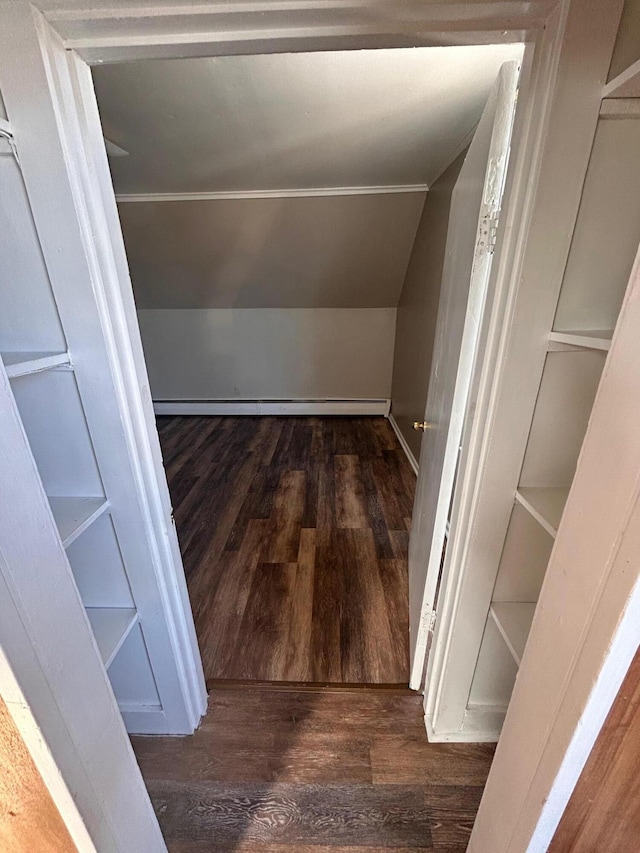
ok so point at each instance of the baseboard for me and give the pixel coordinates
(403, 443)
(145, 720)
(272, 407)
(481, 724)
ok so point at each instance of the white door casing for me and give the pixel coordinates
(473, 222)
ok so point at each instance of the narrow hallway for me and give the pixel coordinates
(294, 535)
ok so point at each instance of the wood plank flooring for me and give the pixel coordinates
(312, 771)
(294, 535)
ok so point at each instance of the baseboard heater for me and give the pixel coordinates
(327, 406)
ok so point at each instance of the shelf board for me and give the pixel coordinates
(589, 338)
(111, 626)
(5, 125)
(624, 85)
(513, 620)
(545, 503)
(620, 108)
(74, 515)
(24, 363)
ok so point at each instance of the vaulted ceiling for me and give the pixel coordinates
(281, 121)
(247, 124)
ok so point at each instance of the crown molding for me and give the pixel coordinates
(286, 193)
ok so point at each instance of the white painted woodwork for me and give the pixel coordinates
(76, 421)
(133, 682)
(294, 120)
(23, 363)
(607, 231)
(565, 399)
(473, 220)
(326, 408)
(269, 354)
(591, 338)
(576, 657)
(54, 419)
(111, 626)
(403, 443)
(51, 671)
(545, 503)
(74, 515)
(570, 103)
(526, 552)
(239, 195)
(150, 30)
(103, 582)
(544, 201)
(620, 108)
(626, 84)
(513, 619)
(495, 675)
(21, 261)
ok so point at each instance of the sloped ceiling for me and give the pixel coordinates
(282, 121)
(384, 118)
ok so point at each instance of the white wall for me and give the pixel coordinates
(285, 353)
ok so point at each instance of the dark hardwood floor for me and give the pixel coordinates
(294, 535)
(280, 770)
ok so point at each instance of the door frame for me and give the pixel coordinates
(156, 29)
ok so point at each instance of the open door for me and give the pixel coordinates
(473, 223)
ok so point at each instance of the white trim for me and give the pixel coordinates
(481, 724)
(310, 192)
(619, 83)
(173, 645)
(610, 678)
(616, 108)
(403, 444)
(272, 407)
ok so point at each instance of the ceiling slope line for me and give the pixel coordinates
(276, 193)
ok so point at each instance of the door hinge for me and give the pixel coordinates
(492, 235)
(432, 621)
(488, 234)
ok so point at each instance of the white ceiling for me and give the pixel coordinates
(284, 121)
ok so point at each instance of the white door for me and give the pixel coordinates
(473, 219)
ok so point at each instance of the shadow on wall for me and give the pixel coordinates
(311, 252)
(418, 309)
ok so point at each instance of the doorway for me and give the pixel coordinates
(279, 222)
(97, 49)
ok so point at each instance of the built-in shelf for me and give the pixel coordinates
(513, 619)
(545, 503)
(590, 338)
(23, 363)
(624, 85)
(111, 626)
(74, 515)
(620, 108)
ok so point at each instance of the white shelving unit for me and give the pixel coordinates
(513, 619)
(589, 338)
(73, 515)
(605, 240)
(545, 503)
(111, 627)
(78, 446)
(24, 363)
